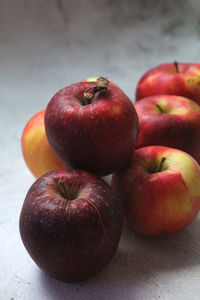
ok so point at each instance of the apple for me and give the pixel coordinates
(71, 224)
(181, 79)
(36, 150)
(160, 190)
(92, 126)
(171, 121)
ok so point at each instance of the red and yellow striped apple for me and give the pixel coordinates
(37, 152)
(160, 190)
(181, 79)
(171, 121)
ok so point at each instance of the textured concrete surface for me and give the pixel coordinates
(44, 46)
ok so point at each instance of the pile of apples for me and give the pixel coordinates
(71, 219)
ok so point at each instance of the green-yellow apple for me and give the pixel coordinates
(181, 79)
(92, 126)
(36, 149)
(171, 121)
(160, 189)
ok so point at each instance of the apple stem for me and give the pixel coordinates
(176, 66)
(160, 109)
(63, 189)
(161, 164)
(102, 84)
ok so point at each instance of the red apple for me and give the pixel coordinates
(36, 150)
(71, 224)
(160, 190)
(169, 121)
(181, 79)
(92, 128)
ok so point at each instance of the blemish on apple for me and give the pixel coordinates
(116, 109)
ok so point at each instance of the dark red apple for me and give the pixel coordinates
(71, 224)
(180, 79)
(96, 132)
(169, 121)
(160, 190)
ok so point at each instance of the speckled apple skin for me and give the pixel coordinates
(178, 127)
(158, 204)
(71, 240)
(98, 137)
(163, 80)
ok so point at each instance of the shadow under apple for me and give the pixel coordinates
(135, 265)
(168, 253)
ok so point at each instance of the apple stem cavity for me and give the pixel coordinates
(160, 109)
(102, 84)
(63, 189)
(176, 66)
(161, 164)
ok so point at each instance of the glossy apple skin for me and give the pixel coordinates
(178, 127)
(36, 150)
(98, 137)
(164, 80)
(159, 203)
(71, 240)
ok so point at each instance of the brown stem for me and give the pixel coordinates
(161, 164)
(88, 96)
(102, 84)
(160, 109)
(176, 66)
(63, 189)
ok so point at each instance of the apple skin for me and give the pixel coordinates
(164, 80)
(98, 137)
(159, 203)
(71, 240)
(178, 126)
(36, 150)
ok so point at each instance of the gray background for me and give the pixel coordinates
(46, 45)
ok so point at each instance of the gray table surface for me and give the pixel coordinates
(44, 46)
